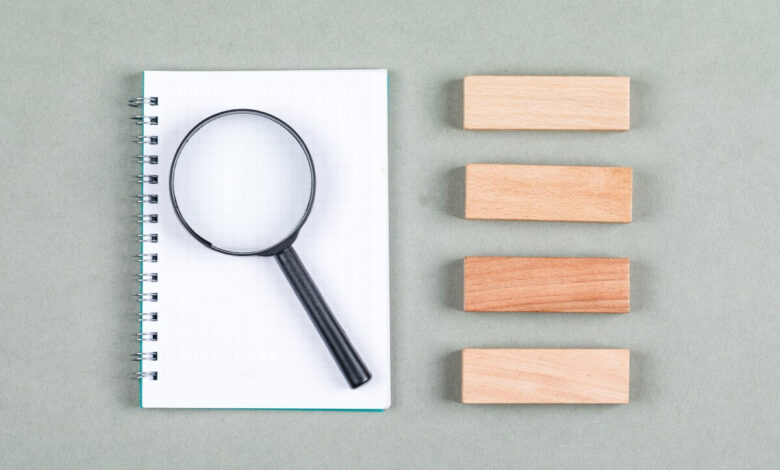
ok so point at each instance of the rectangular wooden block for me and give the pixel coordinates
(546, 103)
(509, 284)
(547, 192)
(504, 376)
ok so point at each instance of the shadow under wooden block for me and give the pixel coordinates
(578, 285)
(517, 376)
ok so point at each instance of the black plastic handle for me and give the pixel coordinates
(348, 360)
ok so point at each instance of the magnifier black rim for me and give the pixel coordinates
(286, 241)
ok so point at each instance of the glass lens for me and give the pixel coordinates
(243, 183)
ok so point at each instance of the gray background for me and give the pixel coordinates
(703, 328)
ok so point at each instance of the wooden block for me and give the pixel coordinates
(546, 192)
(584, 285)
(494, 376)
(546, 103)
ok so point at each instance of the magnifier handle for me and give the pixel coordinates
(348, 360)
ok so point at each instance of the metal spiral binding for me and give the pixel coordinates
(145, 297)
(145, 375)
(148, 277)
(141, 120)
(140, 101)
(149, 179)
(149, 238)
(150, 159)
(147, 219)
(144, 356)
(145, 139)
(148, 198)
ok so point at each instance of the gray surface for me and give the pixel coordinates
(703, 330)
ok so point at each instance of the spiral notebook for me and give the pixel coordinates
(220, 331)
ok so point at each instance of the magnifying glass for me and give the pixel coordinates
(242, 183)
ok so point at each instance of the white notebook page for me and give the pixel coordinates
(231, 333)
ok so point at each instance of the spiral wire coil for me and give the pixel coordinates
(143, 278)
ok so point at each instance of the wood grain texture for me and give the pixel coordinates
(496, 376)
(546, 103)
(579, 285)
(547, 192)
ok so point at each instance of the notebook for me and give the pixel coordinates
(221, 331)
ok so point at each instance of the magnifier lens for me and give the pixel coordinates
(243, 183)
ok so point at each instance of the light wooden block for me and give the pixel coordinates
(547, 192)
(546, 103)
(507, 376)
(580, 285)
